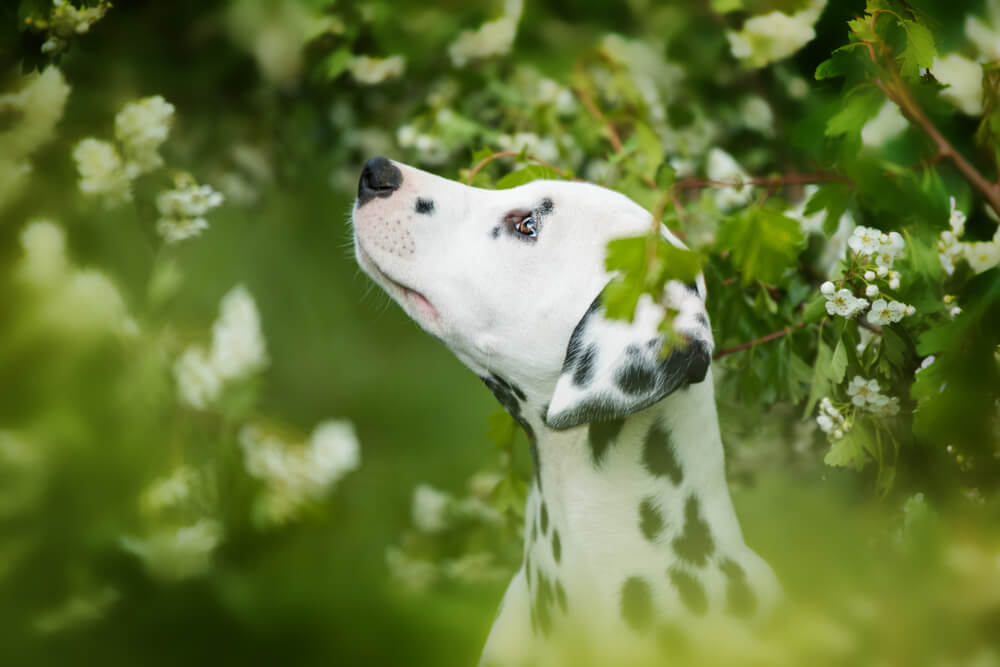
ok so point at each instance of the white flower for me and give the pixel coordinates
(416, 575)
(887, 124)
(757, 114)
(182, 209)
(430, 508)
(238, 347)
(827, 288)
(44, 262)
(964, 81)
(171, 491)
(771, 37)
(722, 167)
(181, 553)
(333, 452)
(491, 39)
(844, 303)
(985, 35)
(198, 382)
(955, 312)
(910, 310)
(885, 312)
(956, 218)
(869, 276)
(925, 363)
(838, 434)
(886, 406)
(862, 391)
(825, 423)
(543, 149)
(982, 255)
(37, 108)
(141, 127)
(90, 302)
(371, 71)
(893, 283)
(865, 240)
(101, 170)
(871, 291)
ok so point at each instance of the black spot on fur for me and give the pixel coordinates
(636, 604)
(561, 596)
(510, 397)
(533, 449)
(636, 378)
(650, 520)
(740, 598)
(691, 592)
(424, 206)
(695, 544)
(556, 545)
(543, 604)
(702, 319)
(584, 372)
(543, 518)
(693, 286)
(495, 233)
(546, 207)
(658, 453)
(575, 346)
(601, 435)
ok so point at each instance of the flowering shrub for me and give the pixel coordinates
(180, 320)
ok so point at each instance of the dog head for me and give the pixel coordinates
(510, 281)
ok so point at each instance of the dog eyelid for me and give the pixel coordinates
(522, 222)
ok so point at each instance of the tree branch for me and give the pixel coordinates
(757, 341)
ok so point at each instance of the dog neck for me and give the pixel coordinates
(632, 519)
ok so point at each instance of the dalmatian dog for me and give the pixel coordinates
(630, 534)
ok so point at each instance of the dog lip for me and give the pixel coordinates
(423, 303)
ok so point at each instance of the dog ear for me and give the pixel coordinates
(614, 367)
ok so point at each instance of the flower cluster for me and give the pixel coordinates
(963, 76)
(981, 255)
(66, 20)
(866, 394)
(30, 117)
(183, 208)
(180, 552)
(771, 37)
(107, 169)
(831, 421)
(493, 38)
(875, 252)
(722, 167)
(297, 474)
(371, 71)
(74, 300)
(237, 351)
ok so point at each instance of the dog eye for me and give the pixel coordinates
(527, 227)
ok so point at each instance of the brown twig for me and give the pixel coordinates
(496, 156)
(899, 94)
(757, 341)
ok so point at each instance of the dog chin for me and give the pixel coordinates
(412, 301)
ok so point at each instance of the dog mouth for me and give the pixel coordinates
(401, 292)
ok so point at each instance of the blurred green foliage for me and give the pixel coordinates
(889, 550)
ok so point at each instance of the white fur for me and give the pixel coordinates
(508, 306)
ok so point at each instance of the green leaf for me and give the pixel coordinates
(335, 63)
(725, 6)
(861, 105)
(919, 51)
(851, 450)
(762, 244)
(820, 380)
(673, 263)
(833, 199)
(626, 254)
(533, 172)
(620, 298)
(501, 429)
(666, 176)
(838, 363)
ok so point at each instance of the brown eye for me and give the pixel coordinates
(527, 227)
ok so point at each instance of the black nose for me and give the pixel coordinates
(379, 178)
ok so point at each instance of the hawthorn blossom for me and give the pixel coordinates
(862, 390)
(886, 312)
(722, 167)
(371, 71)
(771, 37)
(491, 39)
(845, 304)
(963, 79)
(102, 171)
(141, 127)
(430, 508)
(182, 209)
(178, 553)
